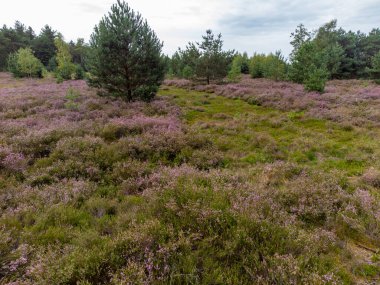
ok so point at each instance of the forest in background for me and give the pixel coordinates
(327, 53)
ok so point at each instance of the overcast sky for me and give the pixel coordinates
(246, 25)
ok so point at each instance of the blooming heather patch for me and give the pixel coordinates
(191, 188)
(354, 102)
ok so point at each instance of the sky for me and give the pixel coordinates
(246, 25)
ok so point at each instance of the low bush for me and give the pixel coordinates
(316, 80)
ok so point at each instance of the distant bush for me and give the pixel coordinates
(256, 65)
(52, 64)
(79, 72)
(24, 64)
(235, 72)
(316, 79)
(240, 65)
(375, 70)
(66, 69)
(207, 59)
(274, 67)
(187, 72)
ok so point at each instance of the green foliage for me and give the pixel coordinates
(235, 72)
(299, 37)
(12, 39)
(72, 97)
(79, 72)
(257, 65)
(207, 59)
(44, 45)
(374, 71)
(126, 57)
(274, 67)
(24, 64)
(343, 54)
(184, 58)
(245, 64)
(213, 63)
(65, 67)
(309, 67)
(240, 65)
(13, 65)
(305, 57)
(80, 52)
(187, 72)
(52, 64)
(316, 80)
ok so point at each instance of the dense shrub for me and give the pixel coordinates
(240, 65)
(206, 59)
(316, 79)
(65, 67)
(256, 65)
(374, 71)
(235, 72)
(24, 64)
(274, 67)
(187, 72)
(79, 72)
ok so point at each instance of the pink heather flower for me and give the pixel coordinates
(14, 162)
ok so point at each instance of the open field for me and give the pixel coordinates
(257, 182)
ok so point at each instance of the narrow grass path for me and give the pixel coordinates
(249, 134)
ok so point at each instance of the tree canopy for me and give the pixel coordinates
(126, 55)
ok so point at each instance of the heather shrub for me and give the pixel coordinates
(125, 170)
(372, 177)
(202, 192)
(206, 158)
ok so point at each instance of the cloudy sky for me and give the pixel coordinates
(246, 25)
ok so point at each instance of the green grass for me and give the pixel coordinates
(249, 134)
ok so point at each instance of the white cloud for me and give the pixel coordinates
(247, 25)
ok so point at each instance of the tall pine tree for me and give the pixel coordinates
(126, 57)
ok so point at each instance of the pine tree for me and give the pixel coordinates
(44, 46)
(375, 70)
(214, 63)
(126, 57)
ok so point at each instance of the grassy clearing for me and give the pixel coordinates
(249, 134)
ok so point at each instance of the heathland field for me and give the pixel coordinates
(255, 182)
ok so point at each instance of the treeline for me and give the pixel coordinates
(26, 54)
(333, 53)
(121, 60)
(327, 53)
(205, 60)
